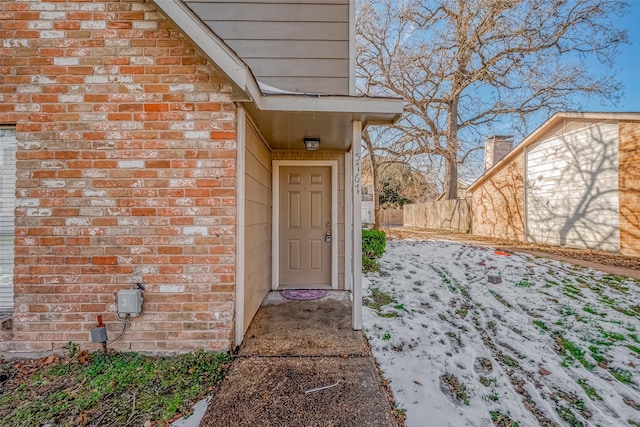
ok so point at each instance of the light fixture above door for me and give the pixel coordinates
(312, 144)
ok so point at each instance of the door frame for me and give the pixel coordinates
(275, 217)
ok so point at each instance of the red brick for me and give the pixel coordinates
(104, 260)
(107, 221)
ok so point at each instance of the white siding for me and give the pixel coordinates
(289, 44)
(7, 208)
(572, 189)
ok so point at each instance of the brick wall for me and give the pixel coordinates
(498, 205)
(629, 187)
(126, 173)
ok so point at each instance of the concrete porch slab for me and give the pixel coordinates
(304, 328)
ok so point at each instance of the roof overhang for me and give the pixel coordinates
(556, 123)
(284, 120)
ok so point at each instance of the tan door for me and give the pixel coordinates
(305, 223)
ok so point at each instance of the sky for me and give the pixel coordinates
(629, 65)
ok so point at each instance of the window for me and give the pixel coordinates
(7, 207)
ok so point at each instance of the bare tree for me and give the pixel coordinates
(464, 65)
(397, 178)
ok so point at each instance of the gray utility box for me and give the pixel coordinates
(99, 334)
(129, 302)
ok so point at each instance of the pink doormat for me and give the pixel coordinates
(304, 294)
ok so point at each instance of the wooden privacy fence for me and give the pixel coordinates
(454, 215)
(391, 217)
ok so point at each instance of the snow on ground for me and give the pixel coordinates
(552, 344)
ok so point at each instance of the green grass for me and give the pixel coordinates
(571, 291)
(625, 311)
(588, 390)
(500, 298)
(378, 299)
(591, 310)
(622, 375)
(576, 352)
(493, 397)
(567, 415)
(502, 420)
(456, 389)
(523, 283)
(596, 354)
(462, 312)
(607, 300)
(616, 282)
(510, 361)
(566, 310)
(120, 388)
(612, 336)
(445, 279)
(540, 324)
(486, 381)
(634, 349)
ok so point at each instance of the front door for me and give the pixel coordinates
(305, 226)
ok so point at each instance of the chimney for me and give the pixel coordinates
(495, 148)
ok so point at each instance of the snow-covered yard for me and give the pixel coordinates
(551, 344)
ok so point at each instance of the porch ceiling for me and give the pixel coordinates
(285, 121)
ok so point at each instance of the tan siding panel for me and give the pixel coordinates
(260, 278)
(291, 2)
(307, 67)
(295, 46)
(255, 192)
(291, 48)
(242, 30)
(256, 170)
(275, 12)
(257, 240)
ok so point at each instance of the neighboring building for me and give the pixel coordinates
(573, 182)
(462, 191)
(162, 142)
(368, 204)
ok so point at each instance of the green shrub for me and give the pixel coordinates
(373, 245)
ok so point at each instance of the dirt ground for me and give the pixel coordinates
(604, 261)
(302, 364)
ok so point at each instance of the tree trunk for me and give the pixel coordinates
(450, 178)
(374, 177)
(451, 158)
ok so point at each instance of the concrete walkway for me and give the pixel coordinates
(291, 350)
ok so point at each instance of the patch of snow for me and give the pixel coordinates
(199, 409)
(272, 90)
(556, 336)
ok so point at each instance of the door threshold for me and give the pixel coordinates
(295, 287)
